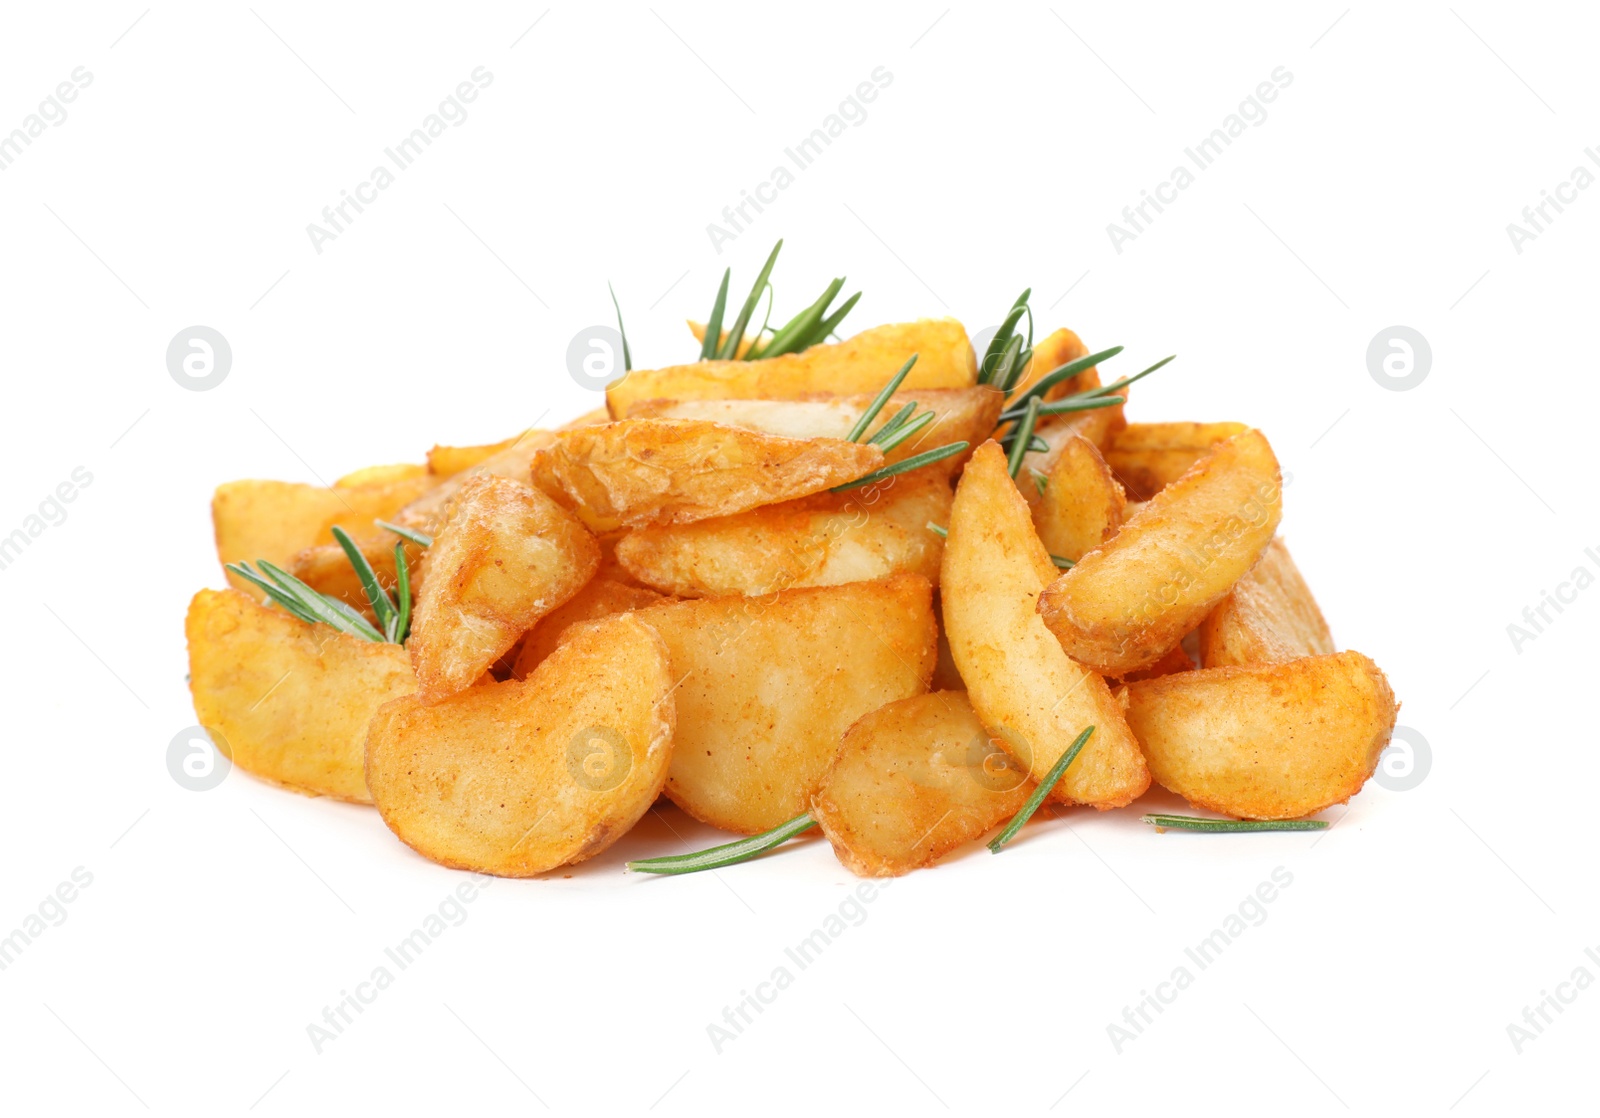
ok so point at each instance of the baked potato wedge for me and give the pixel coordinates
(1080, 504)
(824, 540)
(520, 777)
(914, 780)
(507, 556)
(1128, 602)
(638, 472)
(601, 597)
(864, 363)
(1269, 616)
(768, 686)
(287, 701)
(1148, 456)
(380, 475)
(1026, 690)
(1266, 741)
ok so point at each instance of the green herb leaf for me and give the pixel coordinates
(1064, 372)
(712, 342)
(1040, 481)
(912, 463)
(1057, 770)
(939, 530)
(1062, 406)
(1197, 823)
(382, 607)
(728, 854)
(303, 602)
(903, 431)
(411, 534)
(995, 369)
(882, 398)
(730, 348)
(802, 331)
(627, 357)
(1022, 438)
(402, 592)
(1062, 562)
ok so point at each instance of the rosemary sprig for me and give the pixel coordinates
(1007, 356)
(393, 618)
(1062, 562)
(802, 331)
(1087, 400)
(882, 398)
(416, 537)
(905, 465)
(1021, 436)
(1196, 823)
(728, 854)
(1056, 771)
(905, 423)
(1063, 372)
(627, 357)
(301, 601)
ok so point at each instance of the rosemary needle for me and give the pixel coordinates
(416, 537)
(1022, 439)
(1196, 823)
(937, 454)
(1057, 770)
(627, 357)
(882, 398)
(728, 854)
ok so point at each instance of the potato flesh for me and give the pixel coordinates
(1081, 506)
(507, 556)
(1127, 603)
(287, 701)
(914, 780)
(962, 415)
(864, 363)
(602, 597)
(639, 472)
(275, 520)
(1268, 617)
(1024, 687)
(520, 777)
(825, 540)
(767, 687)
(1270, 741)
(1149, 456)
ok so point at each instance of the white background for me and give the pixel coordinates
(1377, 192)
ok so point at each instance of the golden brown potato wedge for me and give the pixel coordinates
(1177, 659)
(274, 520)
(767, 687)
(1054, 351)
(1268, 617)
(824, 540)
(675, 471)
(520, 777)
(914, 780)
(602, 597)
(507, 556)
(1269, 741)
(327, 570)
(1148, 456)
(963, 415)
(287, 701)
(381, 475)
(1080, 505)
(429, 511)
(864, 363)
(448, 461)
(1126, 603)
(1023, 686)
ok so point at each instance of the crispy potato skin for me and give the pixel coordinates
(1269, 741)
(767, 687)
(1268, 617)
(1128, 602)
(825, 540)
(1148, 456)
(1024, 688)
(286, 701)
(864, 363)
(914, 780)
(448, 461)
(428, 512)
(381, 475)
(507, 556)
(273, 520)
(520, 777)
(1082, 505)
(639, 472)
(963, 415)
(601, 597)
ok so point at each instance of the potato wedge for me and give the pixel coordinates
(1268, 741)
(287, 701)
(963, 415)
(914, 780)
(448, 461)
(1024, 687)
(823, 540)
(864, 363)
(1050, 353)
(675, 471)
(520, 777)
(507, 556)
(1126, 603)
(381, 475)
(327, 570)
(429, 511)
(274, 520)
(1268, 617)
(1081, 505)
(602, 597)
(768, 687)
(1147, 456)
